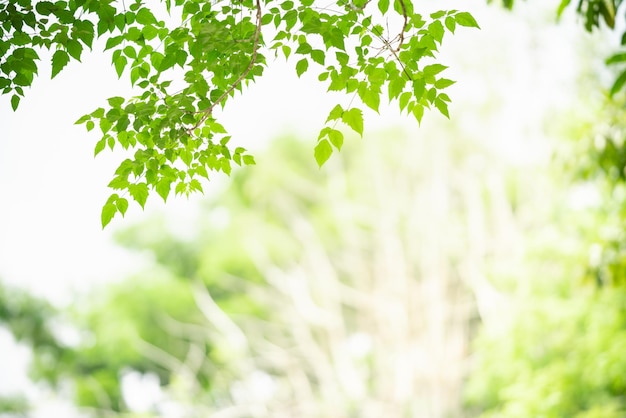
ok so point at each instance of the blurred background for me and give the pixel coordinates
(474, 267)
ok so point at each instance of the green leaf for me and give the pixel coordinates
(59, 60)
(396, 85)
(336, 138)
(335, 113)
(383, 6)
(145, 17)
(113, 42)
(442, 107)
(15, 102)
(99, 146)
(116, 101)
(248, 160)
(139, 192)
(466, 19)
(318, 56)
(354, 119)
(369, 96)
(302, 66)
(108, 210)
(74, 48)
(619, 83)
(163, 187)
(120, 64)
(616, 58)
(442, 83)
(418, 112)
(122, 205)
(433, 69)
(450, 23)
(419, 86)
(323, 151)
(436, 30)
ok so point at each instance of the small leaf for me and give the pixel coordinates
(323, 151)
(122, 205)
(163, 188)
(619, 83)
(434, 69)
(466, 19)
(336, 138)
(139, 192)
(59, 60)
(99, 145)
(442, 107)
(442, 83)
(450, 23)
(248, 160)
(418, 112)
(120, 64)
(620, 57)
(108, 210)
(335, 113)
(383, 6)
(74, 48)
(15, 102)
(302, 66)
(354, 119)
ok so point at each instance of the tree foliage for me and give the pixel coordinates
(189, 64)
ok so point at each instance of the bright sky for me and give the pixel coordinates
(52, 189)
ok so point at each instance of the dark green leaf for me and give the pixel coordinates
(59, 61)
(15, 102)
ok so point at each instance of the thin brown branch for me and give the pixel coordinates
(404, 25)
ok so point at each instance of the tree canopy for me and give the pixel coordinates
(187, 58)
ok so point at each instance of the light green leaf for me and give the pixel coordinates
(120, 63)
(442, 107)
(466, 19)
(145, 17)
(418, 112)
(163, 187)
(139, 192)
(442, 83)
(108, 210)
(336, 138)
(335, 113)
(100, 145)
(323, 151)
(122, 205)
(434, 69)
(354, 119)
(383, 6)
(396, 85)
(248, 160)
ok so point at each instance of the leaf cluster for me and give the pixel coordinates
(195, 62)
